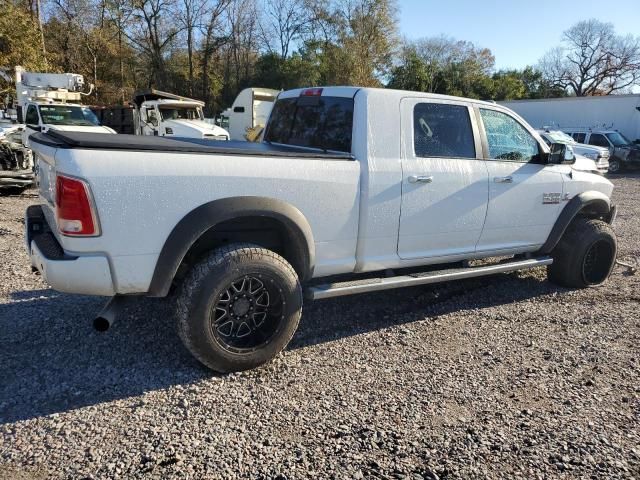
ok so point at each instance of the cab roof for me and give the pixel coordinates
(350, 92)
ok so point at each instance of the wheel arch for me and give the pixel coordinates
(197, 223)
(592, 204)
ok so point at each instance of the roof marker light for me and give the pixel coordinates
(311, 92)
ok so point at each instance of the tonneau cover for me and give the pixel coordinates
(101, 141)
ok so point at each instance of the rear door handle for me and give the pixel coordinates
(420, 179)
(503, 179)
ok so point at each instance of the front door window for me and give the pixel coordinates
(507, 139)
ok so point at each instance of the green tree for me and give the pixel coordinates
(412, 74)
(368, 32)
(17, 27)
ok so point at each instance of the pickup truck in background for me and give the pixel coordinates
(624, 155)
(348, 185)
(598, 155)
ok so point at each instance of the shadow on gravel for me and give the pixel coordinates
(328, 320)
(53, 361)
(626, 174)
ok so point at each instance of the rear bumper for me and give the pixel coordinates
(18, 178)
(87, 274)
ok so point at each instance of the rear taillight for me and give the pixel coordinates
(74, 208)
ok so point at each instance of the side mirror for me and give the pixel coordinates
(561, 154)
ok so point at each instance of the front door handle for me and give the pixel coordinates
(503, 179)
(420, 179)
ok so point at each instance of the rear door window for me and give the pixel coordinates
(442, 130)
(579, 137)
(599, 140)
(319, 122)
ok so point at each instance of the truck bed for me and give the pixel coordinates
(91, 141)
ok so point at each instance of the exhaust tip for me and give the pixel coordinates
(101, 324)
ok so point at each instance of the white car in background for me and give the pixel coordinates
(599, 155)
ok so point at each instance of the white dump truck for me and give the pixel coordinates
(50, 101)
(162, 114)
(248, 115)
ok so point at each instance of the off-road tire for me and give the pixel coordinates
(206, 284)
(585, 255)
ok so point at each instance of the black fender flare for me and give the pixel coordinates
(593, 201)
(194, 224)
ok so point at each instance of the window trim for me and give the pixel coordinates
(485, 141)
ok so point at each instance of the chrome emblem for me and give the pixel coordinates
(551, 198)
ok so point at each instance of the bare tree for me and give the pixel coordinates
(283, 22)
(77, 15)
(152, 34)
(118, 14)
(213, 38)
(242, 18)
(593, 60)
(191, 15)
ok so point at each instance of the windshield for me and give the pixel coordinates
(617, 139)
(174, 112)
(67, 115)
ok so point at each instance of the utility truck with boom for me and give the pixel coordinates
(352, 190)
(49, 101)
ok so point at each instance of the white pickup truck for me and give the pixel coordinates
(347, 183)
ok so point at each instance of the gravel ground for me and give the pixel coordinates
(494, 378)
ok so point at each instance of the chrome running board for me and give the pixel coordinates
(330, 290)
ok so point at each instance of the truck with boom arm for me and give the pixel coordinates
(50, 101)
(353, 190)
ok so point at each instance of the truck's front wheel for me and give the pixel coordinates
(585, 255)
(239, 307)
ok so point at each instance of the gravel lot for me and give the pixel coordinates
(502, 378)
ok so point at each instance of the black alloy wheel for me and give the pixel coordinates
(247, 314)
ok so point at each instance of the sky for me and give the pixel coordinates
(518, 32)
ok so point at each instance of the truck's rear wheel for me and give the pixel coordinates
(585, 255)
(239, 307)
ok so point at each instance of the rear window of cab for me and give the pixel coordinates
(325, 123)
